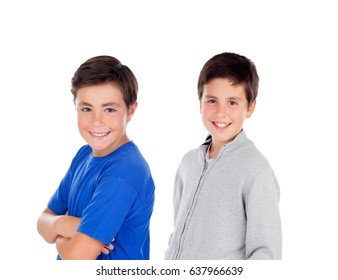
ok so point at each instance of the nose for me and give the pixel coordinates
(98, 119)
(222, 110)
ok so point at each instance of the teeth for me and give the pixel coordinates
(100, 134)
(221, 125)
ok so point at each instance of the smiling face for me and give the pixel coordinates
(103, 117)
(224, 108)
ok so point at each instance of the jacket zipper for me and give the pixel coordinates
(190, 210)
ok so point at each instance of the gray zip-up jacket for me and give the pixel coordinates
(227, 208)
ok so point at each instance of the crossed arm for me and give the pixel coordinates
(70, 244)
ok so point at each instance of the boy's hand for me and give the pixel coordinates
(106, 249)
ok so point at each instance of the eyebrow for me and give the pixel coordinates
(84, 104)
(109, 104)
(234, 98)
(208, 96)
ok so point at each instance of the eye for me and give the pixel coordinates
(233, 103)
(211, 101)
(110, 110)
(86, 109)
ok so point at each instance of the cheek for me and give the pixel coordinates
(81, 121)
(205, 116)
(239, 115)
(205, 111)
(117, 121)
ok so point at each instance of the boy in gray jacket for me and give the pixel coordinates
(226, 195)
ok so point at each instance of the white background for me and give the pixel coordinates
(166, 43)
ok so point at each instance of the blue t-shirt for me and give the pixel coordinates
(114, 197)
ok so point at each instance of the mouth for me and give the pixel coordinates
(99, 134)
(221, 124)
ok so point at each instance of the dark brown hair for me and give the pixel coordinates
(106, 69)
(237, 68)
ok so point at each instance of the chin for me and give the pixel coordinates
(224, 138)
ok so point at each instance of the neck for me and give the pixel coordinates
(214, 150)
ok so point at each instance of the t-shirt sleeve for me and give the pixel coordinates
(108, 208)
(58, 203)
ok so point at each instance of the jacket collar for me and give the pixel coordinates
(239, 139)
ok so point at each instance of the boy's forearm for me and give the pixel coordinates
(62, 244)
(79, 247)
(47, 226)
(51, 225)
(67, 225)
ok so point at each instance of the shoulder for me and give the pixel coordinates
(85, 149)
(82, 154)
(253, 155)
(128, 167)
(130, 157)
(248, 150)
(127, 162)
(254, 168)
(247, 157)
(259, 173)
(194, 155)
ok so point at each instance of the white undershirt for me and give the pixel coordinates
(207, 157)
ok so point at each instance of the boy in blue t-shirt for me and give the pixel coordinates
(107, 193)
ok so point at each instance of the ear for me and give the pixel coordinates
(251, 109)
(131, 111)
